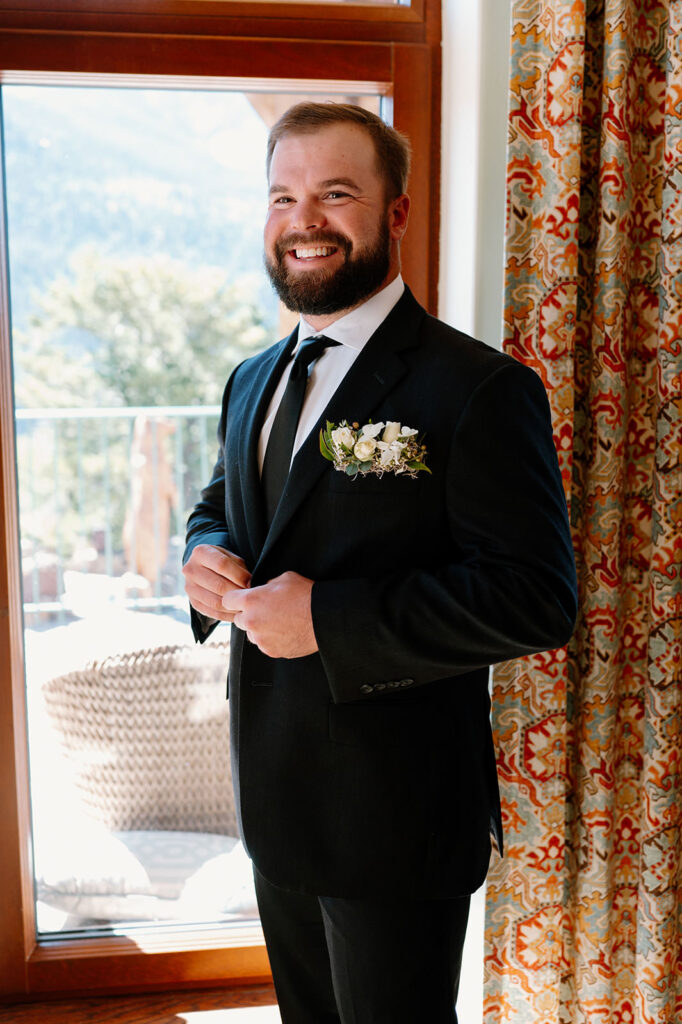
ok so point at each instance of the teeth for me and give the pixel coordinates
(308, 254)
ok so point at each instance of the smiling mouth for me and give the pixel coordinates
(313, 252)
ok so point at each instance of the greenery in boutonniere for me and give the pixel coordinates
(376, 448)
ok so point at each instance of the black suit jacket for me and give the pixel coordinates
(368, 769)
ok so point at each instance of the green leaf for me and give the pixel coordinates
(416, 464)
(324, 449)
(352, 469)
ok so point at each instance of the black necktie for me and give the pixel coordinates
(281, 441)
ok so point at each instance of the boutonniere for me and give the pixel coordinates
(375, 448)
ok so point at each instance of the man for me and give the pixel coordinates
(367, 608)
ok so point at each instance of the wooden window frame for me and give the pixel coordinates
(205, 44)
(318, 20)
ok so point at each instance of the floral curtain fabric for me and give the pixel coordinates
(584, 913)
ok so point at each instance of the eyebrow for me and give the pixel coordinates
(348, 182)
(329, 183)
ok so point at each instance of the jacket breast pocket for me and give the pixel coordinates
(389, 487)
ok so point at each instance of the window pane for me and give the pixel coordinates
(135, 221)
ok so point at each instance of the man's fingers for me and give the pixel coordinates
(234, 600)
(215, 570)
(276, 616)
(210, 572)
(243, 608)
(207, 603)
(206, 578)
(232, 567)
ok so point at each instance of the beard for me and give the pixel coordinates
(323, 292)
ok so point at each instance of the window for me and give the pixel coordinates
(135, 291)
(390, 52)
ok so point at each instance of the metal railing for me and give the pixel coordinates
(108, 491)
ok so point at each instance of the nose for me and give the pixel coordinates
(309, 215)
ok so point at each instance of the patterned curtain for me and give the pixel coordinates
(584, 914)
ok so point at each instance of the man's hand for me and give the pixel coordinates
(211, 573)
(276, 616)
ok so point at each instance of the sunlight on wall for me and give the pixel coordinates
(472, 251)
(475, 81)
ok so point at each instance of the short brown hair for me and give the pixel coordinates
(391, 146)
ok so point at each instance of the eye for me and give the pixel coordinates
(282, 201)
(337, 194)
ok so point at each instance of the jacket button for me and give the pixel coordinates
(366, 688)
(406, 682)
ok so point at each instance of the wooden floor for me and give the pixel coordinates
(245, 1006)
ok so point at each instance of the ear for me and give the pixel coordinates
(398, 211)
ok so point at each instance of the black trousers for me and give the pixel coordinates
(338, 961)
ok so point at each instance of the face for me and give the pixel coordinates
(331, 237)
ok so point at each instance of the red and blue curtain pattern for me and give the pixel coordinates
(584, 913)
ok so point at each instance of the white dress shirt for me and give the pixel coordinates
(352, 331)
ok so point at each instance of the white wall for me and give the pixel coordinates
(476, 40)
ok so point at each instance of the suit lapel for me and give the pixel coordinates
(372, 376)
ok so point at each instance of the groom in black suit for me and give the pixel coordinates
(369, 595)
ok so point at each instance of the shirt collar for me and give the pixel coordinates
(357, 327)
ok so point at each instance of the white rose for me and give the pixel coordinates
(343, 436)
(364, 448)
(371, 430)
(391, 432)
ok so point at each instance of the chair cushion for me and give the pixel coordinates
(145, 876)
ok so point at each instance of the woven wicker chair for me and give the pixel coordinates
(145, 735)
